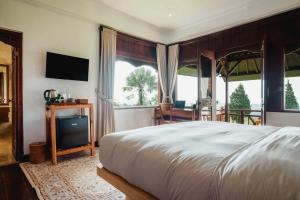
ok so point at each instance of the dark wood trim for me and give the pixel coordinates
(136, 51)
(15, 38)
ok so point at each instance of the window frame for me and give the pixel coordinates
(175, 93)
(283, 109)
(158, 96)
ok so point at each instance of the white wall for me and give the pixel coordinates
(97, 12)
(282, 119)
(52, 30)
(127, 119)
(47, 31)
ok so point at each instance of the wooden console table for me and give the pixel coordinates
(51, 129)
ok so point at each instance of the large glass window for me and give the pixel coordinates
(187, 85)
(135, 85)
(292, 79)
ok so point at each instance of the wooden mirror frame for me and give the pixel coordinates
(7, 84)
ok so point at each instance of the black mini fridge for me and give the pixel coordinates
(72, 131)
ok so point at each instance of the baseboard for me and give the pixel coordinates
(25, 158)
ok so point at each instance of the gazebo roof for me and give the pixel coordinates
(188, 70)
(292, 63)
(240, 66)
(246, 65)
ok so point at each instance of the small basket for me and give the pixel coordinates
(37, 152)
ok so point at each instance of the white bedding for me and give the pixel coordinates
(207, 160)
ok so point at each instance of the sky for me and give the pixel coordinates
(187, 86)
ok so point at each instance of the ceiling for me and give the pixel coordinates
(178, 14)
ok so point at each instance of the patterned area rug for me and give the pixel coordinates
(73, 178)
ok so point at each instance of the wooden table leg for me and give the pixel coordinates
(53, 136)
(48, 134)
(82, 111)
(93, 153)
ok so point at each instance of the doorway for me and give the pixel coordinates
(6, 136)
(240, 88)
(205, 90)
(11, 97)
(195, 86)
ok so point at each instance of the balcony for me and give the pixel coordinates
(241, 116)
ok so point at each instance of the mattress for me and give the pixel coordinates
(207, 160)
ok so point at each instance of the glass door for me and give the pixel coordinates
(195, 88)
(205, 89)
(187, 86)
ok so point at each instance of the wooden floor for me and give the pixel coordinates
(6, 156)
(14, 185)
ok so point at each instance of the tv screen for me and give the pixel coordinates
(66, 67)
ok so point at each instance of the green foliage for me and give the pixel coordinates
(239, 100)
(290, 98)
(141, 81)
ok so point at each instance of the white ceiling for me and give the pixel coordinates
(179, 14)
(168, 21)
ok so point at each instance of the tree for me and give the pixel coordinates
(141, 81)
(239, 100)
(290, 98)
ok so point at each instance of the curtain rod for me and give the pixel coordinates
(128, 34)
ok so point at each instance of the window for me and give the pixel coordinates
(135, 86)
(292, 79)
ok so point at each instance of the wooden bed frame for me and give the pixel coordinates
(131, 192)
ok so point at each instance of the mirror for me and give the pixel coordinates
(4, 84)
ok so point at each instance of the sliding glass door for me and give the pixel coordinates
(205, 92)
(195, 88)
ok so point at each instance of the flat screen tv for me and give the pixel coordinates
(66, 67)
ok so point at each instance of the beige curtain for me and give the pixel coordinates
(105, 111)
(172, 69)
(162, 71)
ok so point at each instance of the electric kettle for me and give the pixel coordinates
(50, 96)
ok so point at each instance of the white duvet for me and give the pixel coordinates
(207, 160)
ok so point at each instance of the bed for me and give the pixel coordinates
(204, 160)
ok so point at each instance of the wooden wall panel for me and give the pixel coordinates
(277, 31)
(274, 86)
(137, 50)
(188, 53)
